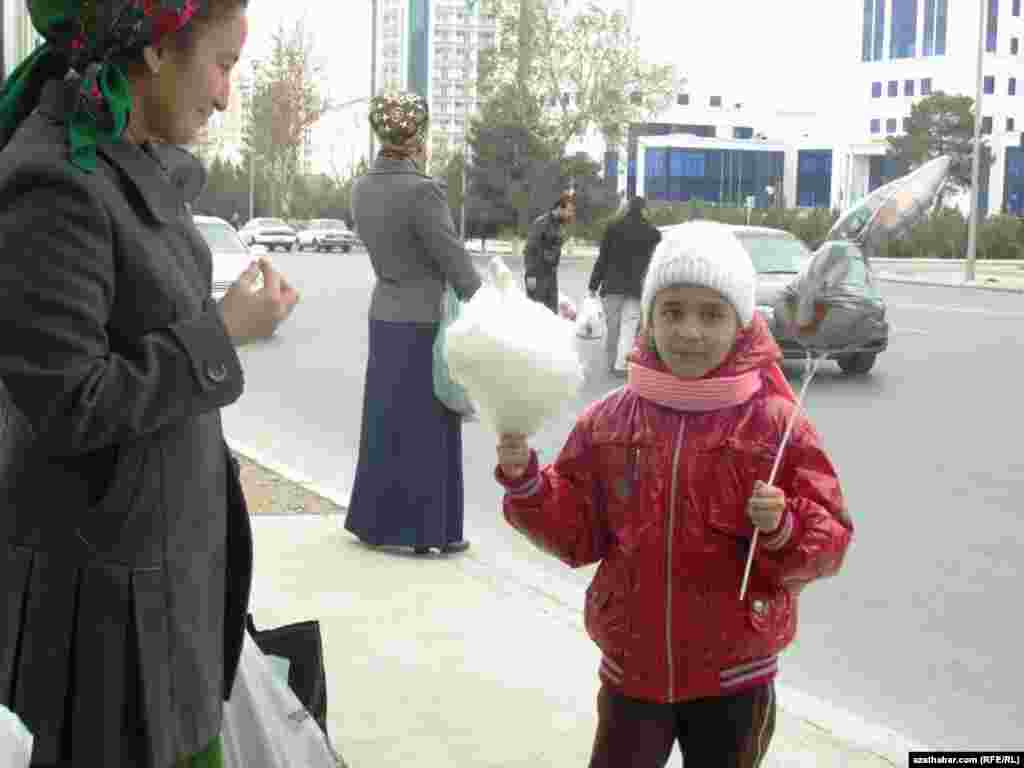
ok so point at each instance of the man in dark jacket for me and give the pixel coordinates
(544, 251)
(626, 251)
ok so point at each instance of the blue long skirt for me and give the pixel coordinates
(408, 486)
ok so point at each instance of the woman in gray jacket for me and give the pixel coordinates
(408, 488)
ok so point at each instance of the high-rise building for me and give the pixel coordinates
(913, 48)
(432, 47)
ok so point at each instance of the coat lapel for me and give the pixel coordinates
(149, 172)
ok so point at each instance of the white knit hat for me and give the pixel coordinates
(702, 253)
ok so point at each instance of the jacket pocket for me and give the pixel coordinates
(605, 614)
(771, 614)
(725, 482)
(623, 472)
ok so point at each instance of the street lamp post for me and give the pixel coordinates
(972, 231)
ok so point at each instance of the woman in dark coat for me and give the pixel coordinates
(408, 487)
(125, 548)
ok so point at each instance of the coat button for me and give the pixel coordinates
(759, 607)
(216, 373)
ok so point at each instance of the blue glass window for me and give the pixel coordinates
(908, 87)
(890, 125)
(869, 19)
(879, 29)
(656, 173)
(1016, 7)
(1009, 125)
(926, 86)
(876, 125)
(1011, 87)
(903, 44)
(876, 90)
(990, 84)
(894, 88)
(986, 125)
(687, 163)
(940, 28)
(992, 32)
(742, 132)
(1014, 45)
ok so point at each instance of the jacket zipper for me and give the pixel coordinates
(668, 561)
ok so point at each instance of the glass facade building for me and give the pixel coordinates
(1013, 188)
(903, 43)
(725, 176)
(935, 15)
(814, 178)
(874, 30)
(419, 47)
(992, 30)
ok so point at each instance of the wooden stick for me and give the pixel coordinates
(810, 368)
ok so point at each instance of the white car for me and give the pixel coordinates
(327, 235)
(272, 233)
(230, 255)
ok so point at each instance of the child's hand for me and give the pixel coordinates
(513, 455)
(766, 507)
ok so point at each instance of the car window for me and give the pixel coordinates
(221, 237)
(774, 254)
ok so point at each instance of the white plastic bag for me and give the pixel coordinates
(517, 359)
(590, 322)
(15, 741)
(629, 326)
(265, 725)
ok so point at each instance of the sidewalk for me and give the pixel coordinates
(438, 661)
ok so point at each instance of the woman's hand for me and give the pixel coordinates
(513, 455)
(766, 506)
(251, 311)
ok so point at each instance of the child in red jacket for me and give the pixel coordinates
(662, 482)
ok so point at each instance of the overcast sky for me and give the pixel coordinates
(793, 54)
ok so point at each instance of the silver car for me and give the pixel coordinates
(327, 235)
(778, 257)
(272, 233)
(230, 255)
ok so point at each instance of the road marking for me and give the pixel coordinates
(959, 310)
(898, 331)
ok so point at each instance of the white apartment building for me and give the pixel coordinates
(913, 48)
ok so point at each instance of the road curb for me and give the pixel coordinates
(931, 284)
(844, 726)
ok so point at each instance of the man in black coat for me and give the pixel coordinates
(618, 275)
(544, 251)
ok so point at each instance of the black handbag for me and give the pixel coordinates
(302, 645)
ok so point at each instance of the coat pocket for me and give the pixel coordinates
(605, 614)
(106, 527)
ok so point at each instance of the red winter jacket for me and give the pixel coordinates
(659, 498)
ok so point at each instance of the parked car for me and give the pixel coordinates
(778, 257)
(231, 257)
(327, 235)
(273, 233)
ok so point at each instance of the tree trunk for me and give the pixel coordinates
(525, 44)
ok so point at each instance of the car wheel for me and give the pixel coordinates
(858, 363)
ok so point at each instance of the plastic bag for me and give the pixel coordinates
(518, 361)
(450, 393)
(629, 327)
(265, 725)
(833, 303)
(890, 211)
(566, 307)
(15, 741)
(590, 323)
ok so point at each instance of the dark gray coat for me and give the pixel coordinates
(403, 217)
(125, 547)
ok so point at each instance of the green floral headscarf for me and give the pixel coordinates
(398, 117)
(90, 37)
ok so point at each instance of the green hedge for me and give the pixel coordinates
(941, 236)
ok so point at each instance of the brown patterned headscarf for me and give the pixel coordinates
(400, 121)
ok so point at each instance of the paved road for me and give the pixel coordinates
(920, 633)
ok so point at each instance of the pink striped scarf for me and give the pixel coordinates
(694, 395)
